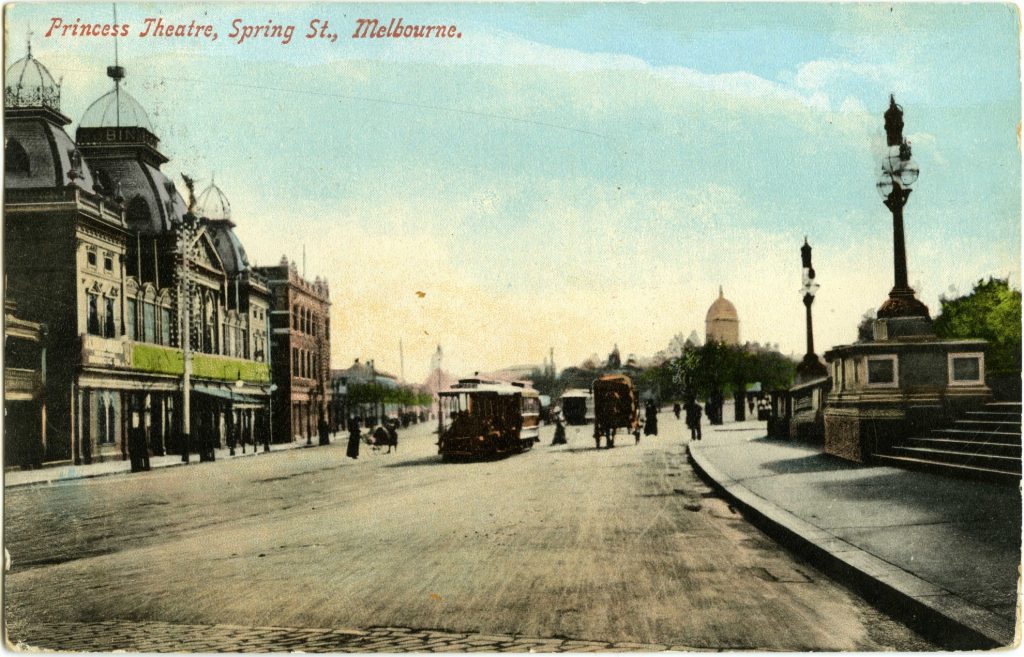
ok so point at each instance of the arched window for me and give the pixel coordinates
(164, 306)
(104, 182)
(138, 212)
(93, 319)
(148, 322)
(16, 158)
(109, 324)
(130, 318)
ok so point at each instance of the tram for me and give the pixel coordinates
(577, 406)
(482, 418)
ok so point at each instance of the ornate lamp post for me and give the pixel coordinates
(899, 173)
(810, 367)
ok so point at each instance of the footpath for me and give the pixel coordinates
(941, 554)
(114, 465)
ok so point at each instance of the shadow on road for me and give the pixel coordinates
(436, 459)
(810, 463)
(433, 459)
(575, 450)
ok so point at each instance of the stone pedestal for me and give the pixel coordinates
(891, 389)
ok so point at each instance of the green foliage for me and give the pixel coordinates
(544, 383)
(714, 368)
(992, 311)
(375, 393)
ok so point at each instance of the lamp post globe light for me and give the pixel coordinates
(810, 367)
(899, 172)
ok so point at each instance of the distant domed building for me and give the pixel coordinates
(722, 323)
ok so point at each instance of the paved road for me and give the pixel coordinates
(562, 548)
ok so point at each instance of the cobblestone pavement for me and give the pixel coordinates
(152, 636)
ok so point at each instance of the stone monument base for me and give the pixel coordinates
(886, 391)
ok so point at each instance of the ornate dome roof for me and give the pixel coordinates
(116, 108)
(29, 84)
(229, 247)
(213, 204)
(722, 309)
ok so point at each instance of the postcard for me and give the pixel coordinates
(511, 327)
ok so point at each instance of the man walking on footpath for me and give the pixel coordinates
(693, 415)
(324, 432)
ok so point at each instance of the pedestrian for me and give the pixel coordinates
(559, 432)
(651, 418)
(693, 414)
(379, 437)
(393, 436)
(676, 408)
(324, 432)
(353, 438)
(750, 406)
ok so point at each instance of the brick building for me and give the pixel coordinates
(300, 351)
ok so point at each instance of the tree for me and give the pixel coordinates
(866, 330)
(992, 311)
(544, 382)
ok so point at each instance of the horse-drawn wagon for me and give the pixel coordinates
(615, 407)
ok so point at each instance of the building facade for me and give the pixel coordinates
(24, 389)
(100, 246)
(300, 351)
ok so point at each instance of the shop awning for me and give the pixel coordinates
(227, 394)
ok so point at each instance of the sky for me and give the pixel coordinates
(576, 176)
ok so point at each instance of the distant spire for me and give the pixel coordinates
(720, 292)
(28, 37)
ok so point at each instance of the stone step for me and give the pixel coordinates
(1007, 437)
(1012, 426)
(992, 416)
(1005, 404)
(954, 469)
(952, 456)
(968, 446)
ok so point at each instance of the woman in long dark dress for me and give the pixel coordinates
(559, 432)
(353, 438)
(651, 419)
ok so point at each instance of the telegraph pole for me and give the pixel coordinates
(185, 335)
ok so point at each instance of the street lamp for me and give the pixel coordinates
(270, 425)
(899, 173)
(235, 432)
(313, 402)
(810, 367)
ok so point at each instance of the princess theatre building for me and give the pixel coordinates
(102, 251)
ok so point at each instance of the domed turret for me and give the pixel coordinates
(29, 84)
(722, 323)
(213, 204)
(114, 109)
(38, 153)
(116, 135)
